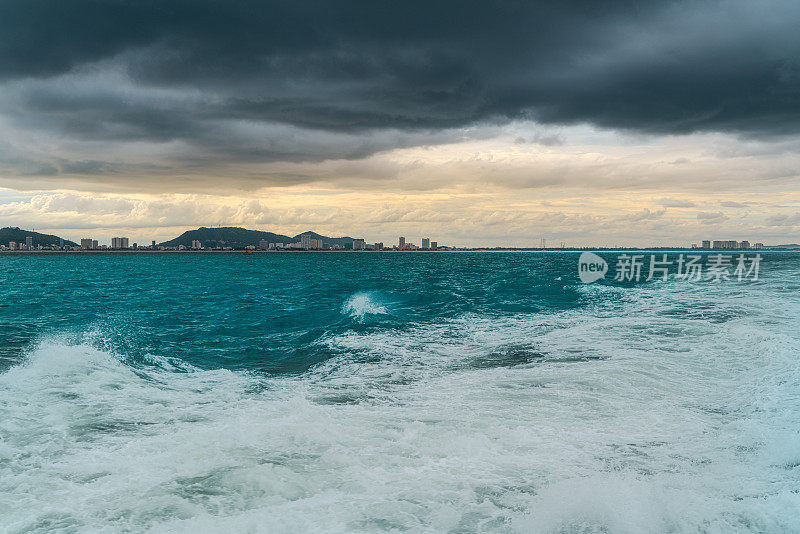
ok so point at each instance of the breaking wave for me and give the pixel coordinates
(362, 305)
(580, 421)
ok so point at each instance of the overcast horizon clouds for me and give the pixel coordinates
(477, 123)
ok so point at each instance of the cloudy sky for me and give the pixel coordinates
(598, 122)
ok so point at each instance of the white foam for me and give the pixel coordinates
(648, 417)
(361, 305)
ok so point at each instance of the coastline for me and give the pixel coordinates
(239, 251)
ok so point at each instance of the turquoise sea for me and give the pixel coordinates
(394, 392)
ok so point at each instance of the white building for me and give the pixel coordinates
(359, 244)
(119, 243)
(426, 243)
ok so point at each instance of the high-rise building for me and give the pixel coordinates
(379, 246)
(95, 244)
(86, 244)
(12, 245)
(29, 243)
(758, 245)
(426, 243)
(305, 241)
(196, 245)
(119, 243)
(359, 244)
(401, 243)
(153, 243)
(706, 243)
(744, 244)
(434, 245)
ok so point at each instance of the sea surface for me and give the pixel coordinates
(394, 392)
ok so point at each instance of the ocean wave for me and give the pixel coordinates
(591, 420)
(362, 305)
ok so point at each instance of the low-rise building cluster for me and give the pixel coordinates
(308, 242)
(729, 244)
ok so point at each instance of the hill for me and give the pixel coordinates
(227, 236)
(232, 236)
(341, 241)
(15, 234)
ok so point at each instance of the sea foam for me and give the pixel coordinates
(362, 305)
(655, 413)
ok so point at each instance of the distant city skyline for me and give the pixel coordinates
(419, 240)
(310, 240)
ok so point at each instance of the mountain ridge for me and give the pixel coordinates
(238, 237)
(14, 233)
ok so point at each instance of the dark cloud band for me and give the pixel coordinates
(185, 68)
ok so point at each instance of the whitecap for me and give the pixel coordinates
(363, 304)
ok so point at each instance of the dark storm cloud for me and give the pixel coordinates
(185, 70)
